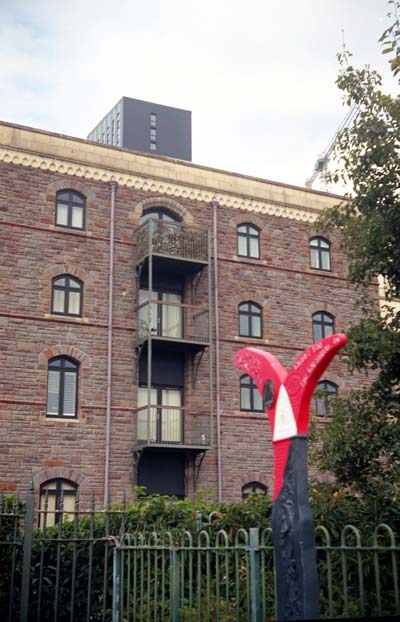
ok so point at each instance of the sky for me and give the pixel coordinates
(258, 76)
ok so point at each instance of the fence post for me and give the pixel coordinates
(175, 584)
(27, 554)
(116, 598)
(255, 595)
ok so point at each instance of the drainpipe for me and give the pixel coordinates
(217, 347)
(113, 187)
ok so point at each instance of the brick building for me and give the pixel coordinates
(121, 312)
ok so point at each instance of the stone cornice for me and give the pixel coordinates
(157, 176)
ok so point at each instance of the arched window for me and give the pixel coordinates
(250, 324)
(248, 241)
(323, 325)
(250, 398)
(326, 391)
(158, 213)
(57, 501)
(320, 253)
(253, 488)
(66, 295)
(70, 209)
(62, 387)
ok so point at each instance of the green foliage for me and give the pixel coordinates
(73, 562)
(360, 445)
(390, 39)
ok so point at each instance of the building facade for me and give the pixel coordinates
(128, 283)
(145, 126)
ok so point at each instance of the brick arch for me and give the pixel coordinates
(60, 472)
(317, 233)
(256, 476)
(321, 306)
(181, 212)
(71, 184)
(67, 268)
(257, 297)
(250, 218)
(64, 350)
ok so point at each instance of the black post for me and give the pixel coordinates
(26, 564)
(294, 541)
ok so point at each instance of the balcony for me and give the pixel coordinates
(173, 241)
(172, 321)
(172, 426)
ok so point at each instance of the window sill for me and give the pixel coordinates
(66, 318)
(258, 340)
(60, 228)
(44, 419)
(253, 413)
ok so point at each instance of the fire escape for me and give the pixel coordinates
(172, 344)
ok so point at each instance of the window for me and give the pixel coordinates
(57, 501)
(62, 387)
(250, 399)
(255, 488)
(248, 239)
(323, 325)
(320, 254)
(158, 214)
(66, 298)
(163, 421)
(165, 317)
(153, 131)
(327, 391)
(70, 209)
(250, 320)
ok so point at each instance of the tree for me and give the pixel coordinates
(361, 445)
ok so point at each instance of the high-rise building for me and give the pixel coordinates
(143, 126)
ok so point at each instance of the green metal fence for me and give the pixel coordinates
(86, 568)
(218, 579)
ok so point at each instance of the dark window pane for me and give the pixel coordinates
(242, 246)
(58, 301)
(244, 325)
(257, 400)
(254, 248)
(325, 260)
(62, 214)
(314, 258)
(77, 217)
(317, 332)
(256, 327)
(53, 392)
(245, 403)
(69, 405)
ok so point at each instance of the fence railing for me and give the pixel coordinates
(200, 579)
(85, 567)
(157, 424)
(171, 239)
(174, 321)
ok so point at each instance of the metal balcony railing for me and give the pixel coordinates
(171, 239)
(173, 320)
(172, 425)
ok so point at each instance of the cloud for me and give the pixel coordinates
(258, 76)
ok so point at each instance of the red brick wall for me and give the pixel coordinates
(34, 250)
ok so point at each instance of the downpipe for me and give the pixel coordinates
(217, 359)
(113, 187)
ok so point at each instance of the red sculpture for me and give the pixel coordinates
(288, 393)
(286, 399)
